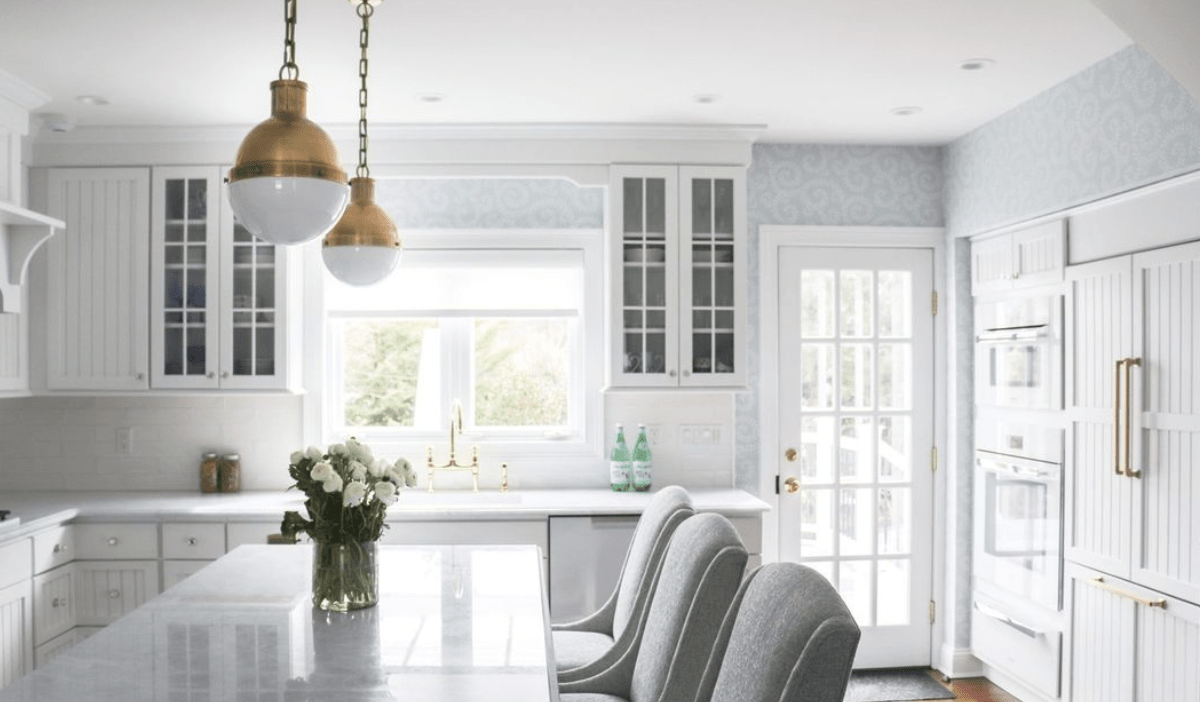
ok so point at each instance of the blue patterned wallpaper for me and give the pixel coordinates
(490, 203)
(1121, 123)
(816, 184)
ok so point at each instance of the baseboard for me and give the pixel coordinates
(1012, 686)
(958, 663)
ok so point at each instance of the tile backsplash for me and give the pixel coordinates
(72, 442)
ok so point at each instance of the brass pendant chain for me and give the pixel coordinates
(365, 11)
(289, 67)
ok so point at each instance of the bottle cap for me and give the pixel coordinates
(208, 455)
(641, 426)
(232, 457)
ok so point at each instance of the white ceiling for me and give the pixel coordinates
(810, 70)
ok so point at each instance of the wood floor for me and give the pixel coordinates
(973, 690)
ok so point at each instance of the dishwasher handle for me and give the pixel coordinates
(1003, 618)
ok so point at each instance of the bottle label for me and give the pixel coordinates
(641, 474)
(619, 475)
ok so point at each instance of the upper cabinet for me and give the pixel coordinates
(97, 279)
(218, 294)
(1019, 259)
(678, 253)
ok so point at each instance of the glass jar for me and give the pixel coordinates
(210, 468)
(231, 473)
(344, 576)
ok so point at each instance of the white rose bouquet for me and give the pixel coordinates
(348, 491)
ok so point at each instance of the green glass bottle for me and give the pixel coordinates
(641, 467)
(619, 469)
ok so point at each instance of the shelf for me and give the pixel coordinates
(21, 233)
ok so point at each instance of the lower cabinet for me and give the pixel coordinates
(1130, 643)
(50, 650)
(106, 590)
(16, 632)
(53, 603)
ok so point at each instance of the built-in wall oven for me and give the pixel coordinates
(1018, 509)
(1018, 352)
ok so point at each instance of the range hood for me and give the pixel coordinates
(22, 231)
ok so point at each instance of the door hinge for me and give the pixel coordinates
(933, 459)
(932, 611)
(933, 302)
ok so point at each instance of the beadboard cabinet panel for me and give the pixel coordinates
(98, 279)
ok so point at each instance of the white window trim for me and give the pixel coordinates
(538, 462)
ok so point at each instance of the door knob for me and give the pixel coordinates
(791, 485)
(791, 455)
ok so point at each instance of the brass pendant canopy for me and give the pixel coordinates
(364, 223)
(287, 144)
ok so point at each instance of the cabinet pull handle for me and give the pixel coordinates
(1129, 471)
(114, 594)
(1117, 418)
(113, 541)
(1098, 581)
(1005, 619)
(191, 541)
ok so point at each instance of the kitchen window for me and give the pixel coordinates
(509, 324)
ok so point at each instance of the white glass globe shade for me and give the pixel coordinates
(288, 210)
(360, 265)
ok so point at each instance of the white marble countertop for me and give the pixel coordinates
(37, 510)
(462, 623)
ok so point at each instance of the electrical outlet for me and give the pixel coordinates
(124, 439)
(700, 434)
(654, 434)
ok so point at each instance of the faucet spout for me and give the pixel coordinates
(456, 428)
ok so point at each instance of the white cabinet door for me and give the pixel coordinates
(184, 255)
(991, 265)
(53, 547)
(1165, 421)
(175, 572)
(98, 270)
(679, 276)
(1098, 495)
(53, 603)
(1025, 258)
(105, 590)
(586, 554)
(16, 632)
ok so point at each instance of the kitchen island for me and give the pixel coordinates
(458, 623)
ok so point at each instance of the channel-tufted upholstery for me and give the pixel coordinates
(787, 638)
(700, 575)
(599, 637)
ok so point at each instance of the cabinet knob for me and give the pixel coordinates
(54, 602)
(113, 541)
(191, 541)
(140, 376)
(59, 548)
(671, 373)
(210, 375)
(1015, 275)
(224, 374)
(114, 594)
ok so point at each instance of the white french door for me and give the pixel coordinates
(856, 358)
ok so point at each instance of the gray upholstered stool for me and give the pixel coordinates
(595, 637)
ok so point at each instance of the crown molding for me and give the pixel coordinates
(23, 94)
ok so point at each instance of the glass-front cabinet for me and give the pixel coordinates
(218, 293)
(679, 257)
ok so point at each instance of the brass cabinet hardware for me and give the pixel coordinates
(791, 455)
(1098, 581)
(791, 485)
(1117, 418)
(1129, 471)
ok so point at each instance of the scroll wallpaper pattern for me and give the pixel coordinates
(491, 203)
(1122, 123)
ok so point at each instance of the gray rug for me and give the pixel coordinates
(894, 686)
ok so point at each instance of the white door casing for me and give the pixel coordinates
(865, 441)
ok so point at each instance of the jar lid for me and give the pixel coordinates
(231, 456)
(209, 455)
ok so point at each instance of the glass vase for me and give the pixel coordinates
(344, 576)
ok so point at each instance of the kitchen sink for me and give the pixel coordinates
(457, 498)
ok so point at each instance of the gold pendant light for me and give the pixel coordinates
(363, 247)
(287, 186)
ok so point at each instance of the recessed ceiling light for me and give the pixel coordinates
(705, 99)
(430, 98)
(94, 100)
(906, 111)
(976, 64)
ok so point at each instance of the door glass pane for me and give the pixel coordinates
(195, 350)
(816, 522)
(895, 379)
(895, 304)
(174, 198)
(857, 382)
(816, 304)
(702, 353)
(702, 287)
(816, 374)
(854, 585)
(702, 207)
(856, 450)
(632, 204)
(893, 592)
(895, 449)
(816, 450)
(857, 296)
(723, 207)
(656, 208)
(893, 520)
(243, 359)
(723, 362)
(855, 521)
(264, 350)
(197, 199)
(265, 292)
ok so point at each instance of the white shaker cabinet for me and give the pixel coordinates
(1024, 258)
(97, 279)
(678, 259)
(16, 611)
(219, 296)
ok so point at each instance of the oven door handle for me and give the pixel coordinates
(1015, 467)
(1003, 618)
(995, 336)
